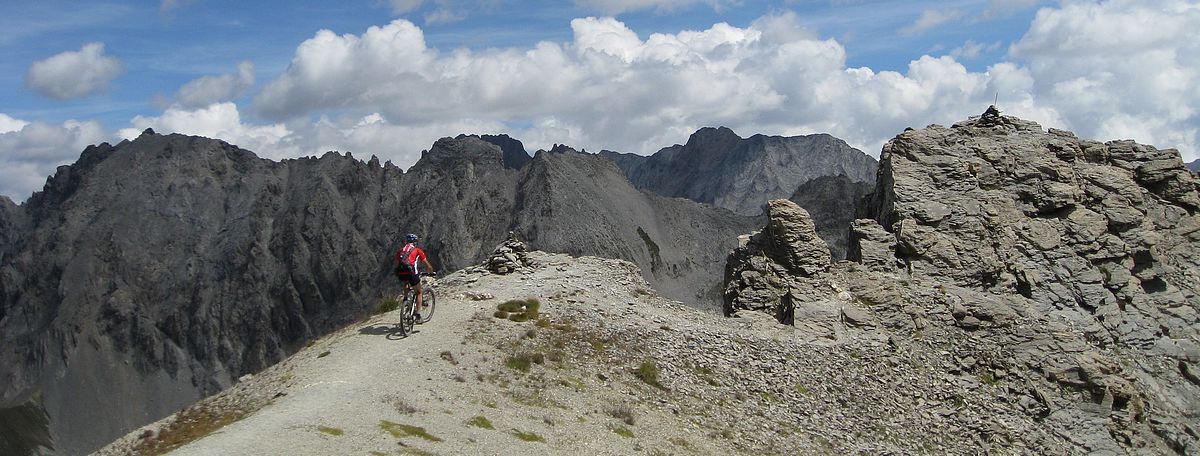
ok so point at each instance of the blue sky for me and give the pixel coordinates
(628, 75)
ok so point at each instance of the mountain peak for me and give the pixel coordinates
(515, 155)
(711, 136)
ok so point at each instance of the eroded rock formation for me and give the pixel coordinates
(1063, 272)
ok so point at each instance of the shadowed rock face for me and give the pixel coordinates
(515, 155)
(1065, 267)
(831, 201)
(155, 272)
(718, 167)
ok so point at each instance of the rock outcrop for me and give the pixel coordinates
(157, 271)
(761, 273)
(1061, 271)
(718, 167)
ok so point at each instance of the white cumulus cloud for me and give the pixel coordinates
(8, 124)
(73, 74)
(1106, 70)
(211, 89)
(610, 88)
(219, 120)
(32, 150)
(1120, 69)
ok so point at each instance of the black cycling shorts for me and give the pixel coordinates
(412, 279)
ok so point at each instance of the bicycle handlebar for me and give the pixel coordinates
(430, 274)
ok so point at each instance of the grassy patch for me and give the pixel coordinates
(648, 372)
(706, 374)
(518, 310)
(404, 430)
(330, 430)
(622, 431)
(480, 422)
(189, 425)
(528, 436)
(987, 378)
(803, 390)
(386, 305)
(523, 361)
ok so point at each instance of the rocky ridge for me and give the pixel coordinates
(1057, 274)
(155, 272)
(606, 367)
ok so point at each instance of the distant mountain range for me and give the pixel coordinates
(718, 167)
(154, 272)
(1194, 166)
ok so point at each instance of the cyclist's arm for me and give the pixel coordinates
(428, 267)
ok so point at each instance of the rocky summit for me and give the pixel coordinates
(1051, 282)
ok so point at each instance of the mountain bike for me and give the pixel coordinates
(408, 304)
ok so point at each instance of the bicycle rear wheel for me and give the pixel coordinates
(429, 302)
(406, 314)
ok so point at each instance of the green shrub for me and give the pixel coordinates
(680, 441)
(517, 363)
(480, 422)
(522, 361)
(622, 431)
(404, 430)
(519, 310)
(190, 424)
(387, 305)
(528, 436)
(648, 372)
(330, 430)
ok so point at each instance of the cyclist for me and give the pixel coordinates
(407, 270)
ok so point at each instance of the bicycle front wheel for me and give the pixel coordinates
(429, 302)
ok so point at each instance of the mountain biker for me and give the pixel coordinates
(407, 270)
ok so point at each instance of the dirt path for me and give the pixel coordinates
(359, 390)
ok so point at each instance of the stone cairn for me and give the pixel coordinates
(508, 256)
